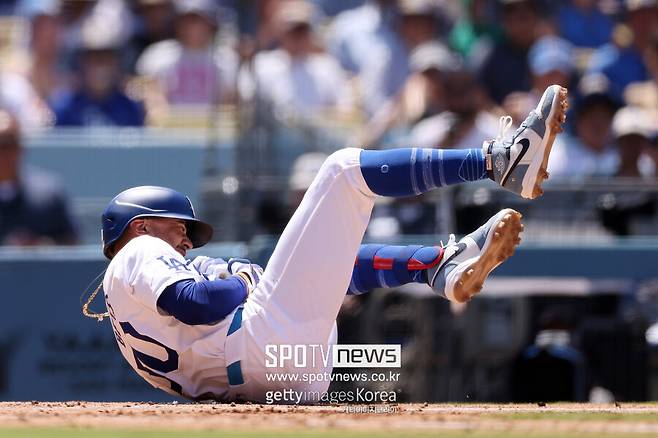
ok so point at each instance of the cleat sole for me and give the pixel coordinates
(502, 245)
(554, 127)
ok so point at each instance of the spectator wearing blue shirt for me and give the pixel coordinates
(505, 69)
(99, 100)
(622, 61)
(582, 24)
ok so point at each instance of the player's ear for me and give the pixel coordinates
(139, 227)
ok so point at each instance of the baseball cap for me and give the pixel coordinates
(207, 9)
(434, 55)
(101, 32)
(634, 5)
(551, 53)
(418, 7)
(295, 12)
(594, 89)
(631, 120)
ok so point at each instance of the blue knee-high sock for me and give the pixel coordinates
(391, 266)
(412, 171)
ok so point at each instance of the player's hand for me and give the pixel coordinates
(212, 268)
(251, 273)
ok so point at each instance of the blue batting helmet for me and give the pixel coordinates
(151, 201)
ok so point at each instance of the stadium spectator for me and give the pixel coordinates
(334, 7)
(460, 121)
(551, 62)
(40, 60)
(75, 14)
(257, 23)
(505, 69)
(476, 31)
(155, 23)
(420, 97)
(98, 100)
(631, 127)
(622, 61)
(191, 69)
(18, 97)
(588, 151)
(419, 22)
(582, 23)
(367, 43)
(553, 356)
(33, 207)
(645, 93)
(296, 78)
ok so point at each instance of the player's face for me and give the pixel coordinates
(172, 231)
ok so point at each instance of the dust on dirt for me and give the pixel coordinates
(610, 418)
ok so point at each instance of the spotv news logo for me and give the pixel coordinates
(340, 356)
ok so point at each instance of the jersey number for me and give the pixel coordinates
(153, 365)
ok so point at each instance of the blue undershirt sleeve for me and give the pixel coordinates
(203, 302)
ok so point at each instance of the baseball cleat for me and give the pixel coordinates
(467, 263)
(519, 165)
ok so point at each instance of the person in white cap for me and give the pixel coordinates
(297, 77)
(632, 130)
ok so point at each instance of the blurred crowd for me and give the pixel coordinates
(426, 73)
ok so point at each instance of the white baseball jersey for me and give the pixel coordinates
(187, 360)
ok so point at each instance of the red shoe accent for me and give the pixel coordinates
(382, 263)
(416, 265)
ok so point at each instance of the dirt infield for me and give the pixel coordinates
(552, 418)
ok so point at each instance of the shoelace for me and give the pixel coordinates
(504, 124)
(452, 240)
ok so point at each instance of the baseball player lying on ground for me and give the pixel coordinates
(199, 328)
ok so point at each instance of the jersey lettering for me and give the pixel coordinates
(174, 264)
(153, 365)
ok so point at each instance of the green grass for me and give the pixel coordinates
(105, 433)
